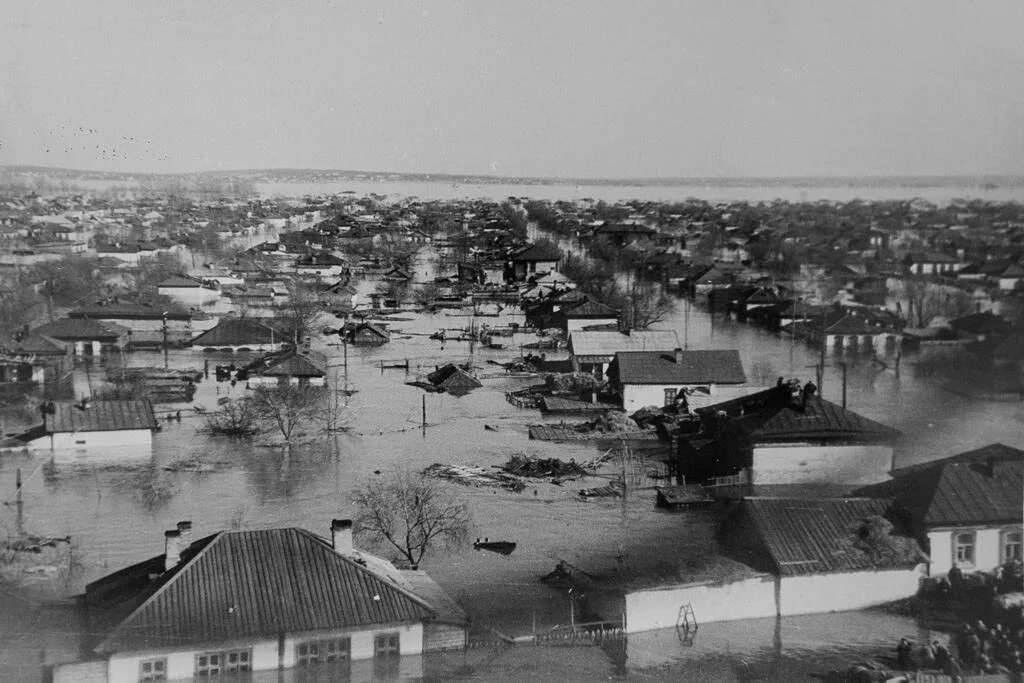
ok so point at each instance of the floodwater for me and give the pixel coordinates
(115, 506)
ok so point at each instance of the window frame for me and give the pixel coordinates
(242, 664)
(957, 545)
(387, 650)
(153, 663)
(342, 651)
(670, 394)
(1005, 544)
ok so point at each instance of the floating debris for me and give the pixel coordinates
(475, 476)
(543, 468)
(612, 490)
(500, 547)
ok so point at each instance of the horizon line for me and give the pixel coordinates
(1019, 177)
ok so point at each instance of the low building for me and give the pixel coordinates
(31, 359)
(453, 379)
(85, 336)
(777, 437)
(365, 334)
(241, 334)
(271, 600)
(586, 315)
(593, 350)
(189, 291)
(93, 424)
(305, 368)
(967, 509)
(806, 556)
(532, 259)
(664, 378)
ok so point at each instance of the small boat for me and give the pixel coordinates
(501, 547)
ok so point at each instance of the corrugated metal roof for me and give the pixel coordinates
(100, 416)
(811, 536)
(608, 343)
(261, 583)
(694, 367)
(984, 486)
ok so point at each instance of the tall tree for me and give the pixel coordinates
(410, 513)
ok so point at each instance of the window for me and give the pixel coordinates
(670, 397)
(1011, 545)
(211, 664)
(317, 651)
(385, 645)
(153, 669)
(963, 549)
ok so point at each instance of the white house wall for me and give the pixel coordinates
(766, 596)
(859, 464)
(190, 296)
(651, 609)
(846, 591)
(988, 548)
(142, 438)
(577, 324)
(636, 396)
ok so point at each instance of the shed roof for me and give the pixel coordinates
(708, 366)
(537, 252)
(982, 486)
(451, 377)
(100, 416)
(813, 536)
(180, 281)
(260, 583)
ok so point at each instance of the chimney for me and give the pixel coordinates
(679, 356)
(185, 532)
(172, 549)
(341, 536)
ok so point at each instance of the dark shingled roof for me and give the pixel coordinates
(453, 377)
(589, 309)
(983, 486)
(784, 420)
(100, 416)
(813, 536)
(129, 311)
(288, 364)
(180, 281)
(246, 584)
(537, 252)
(238, 332)
(694, 367)
(37, 345)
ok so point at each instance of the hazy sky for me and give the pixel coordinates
(573, 88)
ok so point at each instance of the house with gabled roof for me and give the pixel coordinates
(780, 557)
(532, 259)
(967, 509)
(86, 336)
(241, 334)
(593, 350)
(588, 314)
(269, 600)
(188, 291)
(665, 378)
(305, 368)
(92, 424)
(778, 436)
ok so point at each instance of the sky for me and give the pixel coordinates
(572, 88)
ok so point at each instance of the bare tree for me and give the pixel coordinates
(287, 407)
(410, 512)
(296, 318)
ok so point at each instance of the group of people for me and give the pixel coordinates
(980, 648)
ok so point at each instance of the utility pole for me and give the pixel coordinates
(843, 366)
(164, 328)
(821, 361)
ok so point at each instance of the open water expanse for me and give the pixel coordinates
(116, 509)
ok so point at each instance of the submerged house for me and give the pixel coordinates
(593, 350)
(532, 259)
(802, 555)
(188, 291)
(241, 334)
(967, 509)
(270, 600)
(776, 436)
(87, 337)
(304, 368)
(661, 378)
(93, 424)
(31, 359)
(365, 334)
(453, 379)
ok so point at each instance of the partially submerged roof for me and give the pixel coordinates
(818, 535)
(81, 329)
(983, 486)
(288, 364)
(678, 367)
(37, 345)
(180, 281)
(608, 343)
(589, 309)
(451, 377)
(537, 252)
(238, 332)
(238, 585)
(100, 416)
